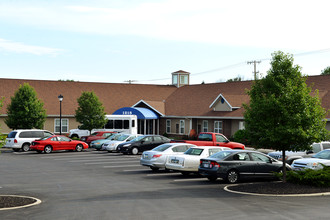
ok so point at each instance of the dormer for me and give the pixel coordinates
(221, 104)
(180, 78)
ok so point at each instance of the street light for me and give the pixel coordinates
(60, 98)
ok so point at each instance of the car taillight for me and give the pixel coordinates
(15, 141)
(214, 164)
(156, 155)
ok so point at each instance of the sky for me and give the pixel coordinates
(145, 41)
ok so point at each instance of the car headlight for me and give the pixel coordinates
(313, 165)
(127, 145)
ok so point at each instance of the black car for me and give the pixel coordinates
(232, 165)
(142, 143)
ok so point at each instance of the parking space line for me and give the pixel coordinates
(72, 158)
(121, 166)
(137, 170)
(189, 180)
(164, 174)
(116, 162)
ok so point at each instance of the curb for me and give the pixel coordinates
(37, 202)
(276, 195)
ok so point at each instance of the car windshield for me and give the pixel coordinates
(123, 137)
(116, 137)
(325, 154)
(110, 137)
(162, 147)
(194, 151)
(221, 154)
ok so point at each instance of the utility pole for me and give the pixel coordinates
(255, 68)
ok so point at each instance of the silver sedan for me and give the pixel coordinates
(156, 158)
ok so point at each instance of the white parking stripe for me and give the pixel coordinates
(189, 180)
(135, 170)
(121, 166)
(115, 162)
(90, 157)
(164, 174)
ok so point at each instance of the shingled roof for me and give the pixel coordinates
(168, 100)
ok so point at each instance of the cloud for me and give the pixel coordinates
(18, 47)
(295, 24)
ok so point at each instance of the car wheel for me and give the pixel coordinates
(25, 147)
(154, 168)
(79, 148)
(212, 178)
(48, 149)
(232, 176)
(134, 151)
(16, 149)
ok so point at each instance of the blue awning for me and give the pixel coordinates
(141, 113)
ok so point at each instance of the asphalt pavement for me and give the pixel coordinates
(102, 185)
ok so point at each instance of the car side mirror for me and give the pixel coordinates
(309, 152)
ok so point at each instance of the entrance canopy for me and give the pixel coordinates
(141, 113)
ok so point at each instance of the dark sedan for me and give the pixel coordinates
(236, 164)
(142, 143)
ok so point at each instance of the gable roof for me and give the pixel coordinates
(166, 100)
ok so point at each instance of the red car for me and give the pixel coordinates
(96, 136)
(57, 142)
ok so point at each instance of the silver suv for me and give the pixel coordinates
(21, 139)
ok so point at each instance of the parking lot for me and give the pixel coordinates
(102, 185)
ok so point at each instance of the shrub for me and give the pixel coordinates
(320, 178)
(241, 137)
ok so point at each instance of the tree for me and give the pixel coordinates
(25, 111)
(236, 79)
(2, 137)
(326, 71)
(90, 112)
(282, 113)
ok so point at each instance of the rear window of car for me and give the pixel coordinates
(12, 134)
(221, 154)
(194, 151)
(205, 137)
(162, 147)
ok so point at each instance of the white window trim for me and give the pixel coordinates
(182, 127)
(207, 128)
(63, 119)
(220, 128)
(168, 127)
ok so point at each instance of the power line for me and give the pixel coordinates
(241, 63)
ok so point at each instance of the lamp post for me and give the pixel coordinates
(60, 98)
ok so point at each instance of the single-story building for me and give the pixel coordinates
(174, 109)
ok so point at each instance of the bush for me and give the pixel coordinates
(241, 137)
(320, 178)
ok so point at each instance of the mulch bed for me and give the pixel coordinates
(279, 188)
(13, 201)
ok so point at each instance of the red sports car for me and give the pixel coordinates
(57, 142)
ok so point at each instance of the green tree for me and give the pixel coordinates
(326, 71)
(90, 112)
(236, 79)
(282, 115)
(2, 137)
(25, 111)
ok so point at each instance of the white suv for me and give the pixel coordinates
(21, 139)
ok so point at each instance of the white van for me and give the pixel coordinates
(21, 139)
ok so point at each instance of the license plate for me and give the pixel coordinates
(146, 156)
(174, 161)
(206, 165)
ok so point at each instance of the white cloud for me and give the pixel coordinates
(19, 47)
(294, 24)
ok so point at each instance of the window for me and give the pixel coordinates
(65, 125)
(168, 126)
(241, 125)
(260, 157)
(213, 151)
(175, 79)
(245, 156)
(205, 126)
(218, 126)
(220, 138)
(181, 126)
(183, 79)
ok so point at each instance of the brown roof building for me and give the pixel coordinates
(204, 107)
